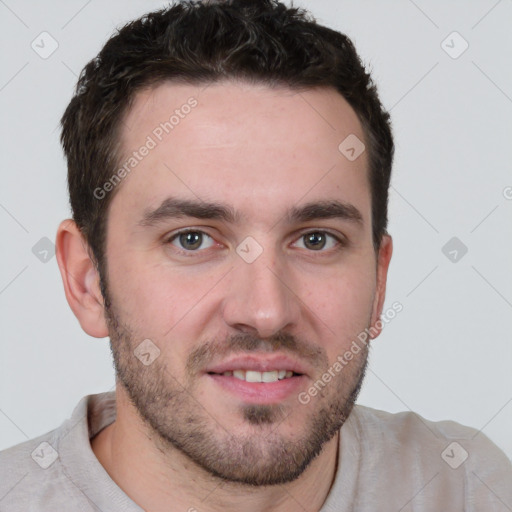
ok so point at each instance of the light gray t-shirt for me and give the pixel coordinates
(387, 462)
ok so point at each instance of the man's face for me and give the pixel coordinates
(235, 246)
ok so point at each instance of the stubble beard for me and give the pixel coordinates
(176, 420)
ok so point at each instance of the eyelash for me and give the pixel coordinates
(341, 243)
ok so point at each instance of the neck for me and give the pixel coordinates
(153, 476)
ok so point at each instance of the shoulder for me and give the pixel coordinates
(29, 471)
(35, 474)
(409, 425)
(447, 457)
(410, 429)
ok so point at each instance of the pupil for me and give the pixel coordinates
(191, 240)
(316, 240)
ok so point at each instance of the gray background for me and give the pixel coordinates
(447, 355)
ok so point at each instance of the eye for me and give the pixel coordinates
(191, 240)
(318, 241)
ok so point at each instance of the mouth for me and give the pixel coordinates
(256, 376)
(259, 379)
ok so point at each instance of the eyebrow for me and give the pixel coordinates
(332, 209)
(173, 208)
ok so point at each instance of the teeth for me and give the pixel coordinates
(251, 376)
(239, 374)
(254, 376)
(269, 376)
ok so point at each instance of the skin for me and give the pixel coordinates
(260, 151)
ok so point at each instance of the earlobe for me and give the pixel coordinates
(81, 279)
(384, 258)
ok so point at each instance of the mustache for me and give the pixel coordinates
(247, 343)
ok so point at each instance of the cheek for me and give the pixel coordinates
(344, 303)
(156, 299)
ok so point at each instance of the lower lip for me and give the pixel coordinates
(260, 392)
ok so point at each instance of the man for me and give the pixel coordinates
(228, 168)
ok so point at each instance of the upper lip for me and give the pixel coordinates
(258, 363)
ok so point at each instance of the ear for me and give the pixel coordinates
(383, 260)
(81, 279)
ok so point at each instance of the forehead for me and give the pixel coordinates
(241, 144)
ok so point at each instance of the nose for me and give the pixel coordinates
(261, 299)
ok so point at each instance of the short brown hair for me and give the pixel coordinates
(260, 41)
